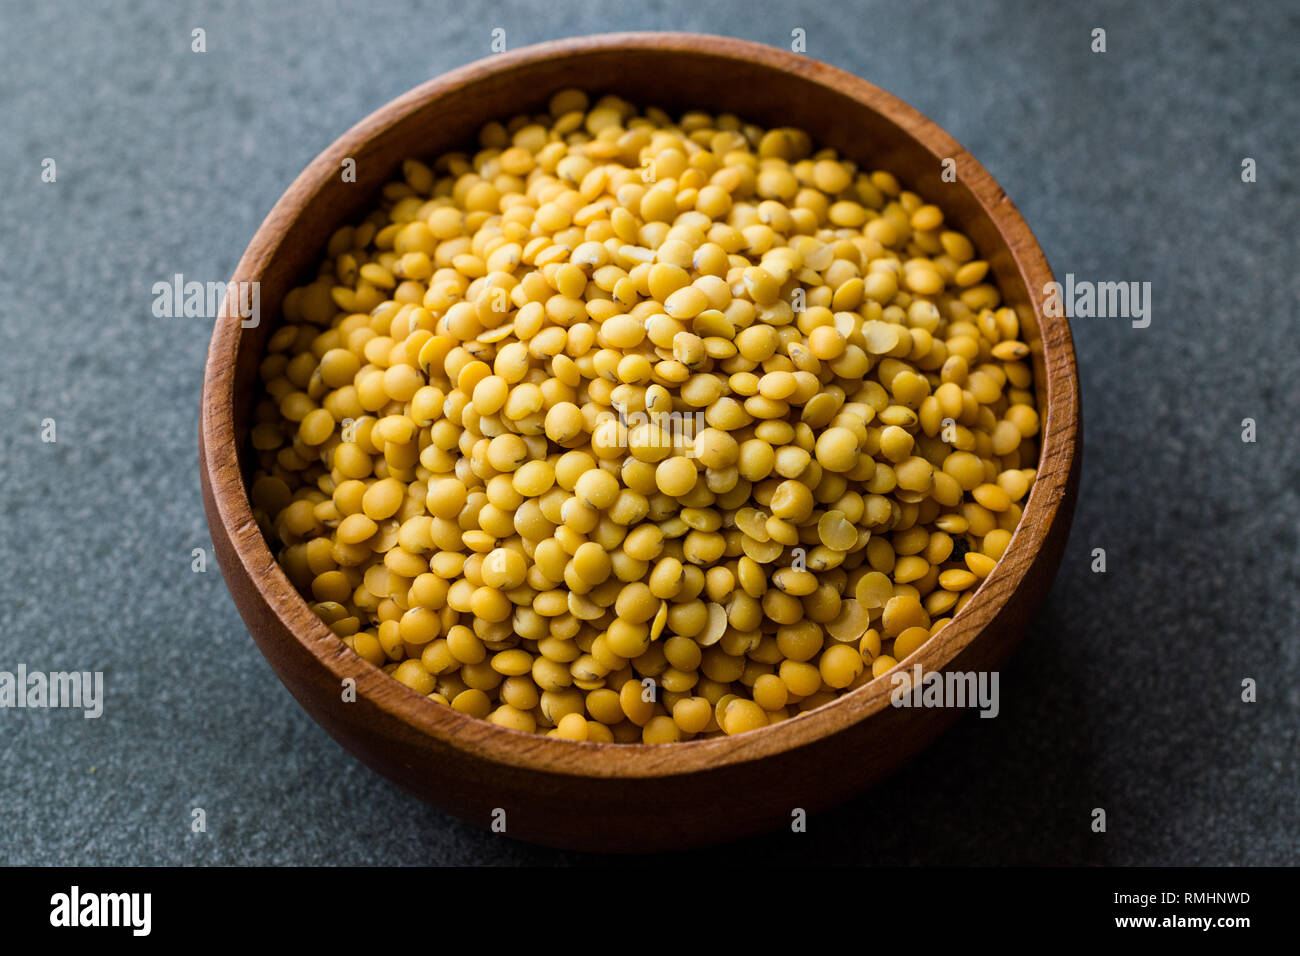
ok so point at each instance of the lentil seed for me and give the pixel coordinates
(515, 524)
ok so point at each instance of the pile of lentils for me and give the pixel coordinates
(625, 429)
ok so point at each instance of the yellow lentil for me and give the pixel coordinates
(555, 446)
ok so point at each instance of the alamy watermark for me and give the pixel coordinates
(1084, 299)
(960, 689)
(75, 908)
(660, 430)
(77, 690)
(178, 298)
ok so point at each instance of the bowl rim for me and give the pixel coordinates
(227, 494)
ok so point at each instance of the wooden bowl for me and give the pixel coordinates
(610, 797)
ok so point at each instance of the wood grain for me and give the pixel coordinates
(632, 797)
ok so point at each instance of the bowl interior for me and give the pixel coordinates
(711, 76)
(760, 84)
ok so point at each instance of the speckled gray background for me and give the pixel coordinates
(1127, 166)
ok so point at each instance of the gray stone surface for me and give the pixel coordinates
(1127, 166)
